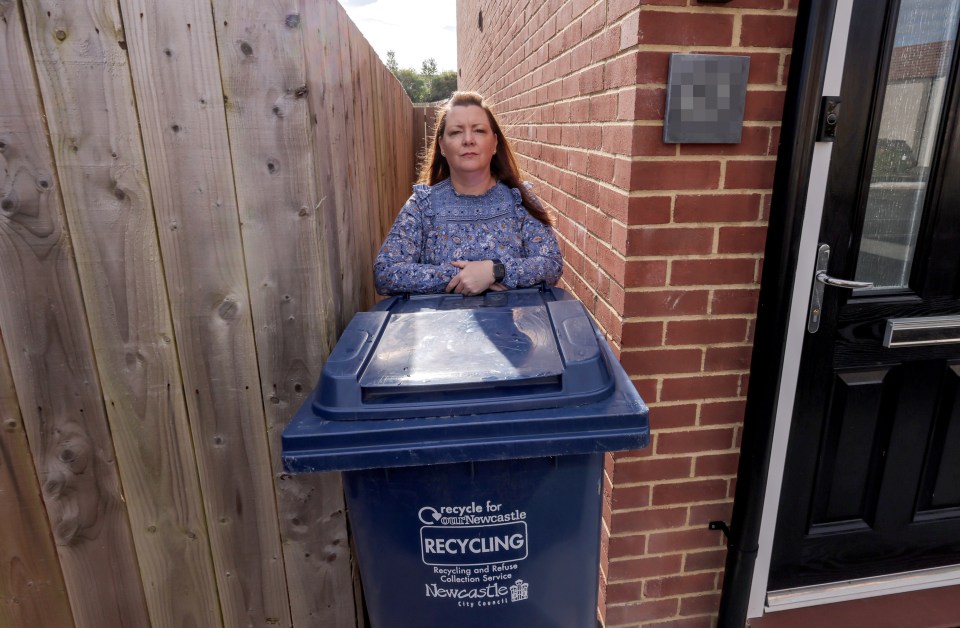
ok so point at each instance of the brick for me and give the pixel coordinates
(631, 496)
(651, 518)
(593, 20)
(624, 592)
(679, 585)
(620, 72)
(708, 604)
(706, 331)
(653, 67)
(617, 139)
(685, 29)
(647, 389)
(630, 614)
(700, 561)
(673, 417)
(755, 140)
(647, 210)
(702, 514)
(648, 104)
(659, 361)
(688, 492)
(749, 175)
(763, 106)
(675, 175)
(642, 334)
(703, 208)
(630, 31)
(603, 108)
(727, 358)
(722, 412)
(659, 303)
(742, 239)
(679, 540)
(589, 192)
(717, 464)
(605, 45)
(712, 272)
(652, 470)
(621, 173)
(767, 31)
(589, 137)
(647, 241)
(648, 141)
(702, 387)
(632, 545)
(738, 301)
(591, 80)
(611, 262)
(580, 110)
(618, 8)
(765, 68)
(645, 274)
(694, 441)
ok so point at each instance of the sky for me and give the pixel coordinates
(415, 31)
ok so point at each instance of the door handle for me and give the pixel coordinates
(824, 278)
(821, 279)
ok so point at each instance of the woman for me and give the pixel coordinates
(471, 224)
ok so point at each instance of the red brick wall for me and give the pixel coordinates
(662, 242)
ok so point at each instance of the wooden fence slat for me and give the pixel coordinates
(264, 76)
(32, 592)
(175, 68)
(51, 357)
(329, 80)
(107, 203)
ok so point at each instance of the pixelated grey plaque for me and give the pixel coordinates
(705, 99)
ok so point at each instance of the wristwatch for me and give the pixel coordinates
(499, 271)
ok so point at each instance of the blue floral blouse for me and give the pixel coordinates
(437, 226)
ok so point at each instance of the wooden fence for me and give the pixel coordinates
(190, 202)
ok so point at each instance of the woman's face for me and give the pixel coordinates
(468, 142)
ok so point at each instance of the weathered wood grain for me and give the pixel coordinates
(106, 198)
(32, 592)
(176, 75)
(51, 357)
(274, 139)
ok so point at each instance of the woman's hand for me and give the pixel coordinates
(473, 278)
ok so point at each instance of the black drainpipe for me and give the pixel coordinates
(798, 133)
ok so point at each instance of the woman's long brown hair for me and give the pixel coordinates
(503, 166)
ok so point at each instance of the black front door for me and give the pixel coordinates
(872, 478)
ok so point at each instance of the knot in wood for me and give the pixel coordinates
(246, 48)
(60, 34)
(229, 309)
(292, 21)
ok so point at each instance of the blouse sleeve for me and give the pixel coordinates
(541, 261)
(398, 268)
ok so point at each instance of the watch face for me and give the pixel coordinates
(498, 271)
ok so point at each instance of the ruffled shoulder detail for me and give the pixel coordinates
(421, 196)
(519, 207)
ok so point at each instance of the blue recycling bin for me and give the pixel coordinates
(471, 433)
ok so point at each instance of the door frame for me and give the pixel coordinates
(760, 599)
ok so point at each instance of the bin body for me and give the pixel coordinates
(479, 544)
(471, 433)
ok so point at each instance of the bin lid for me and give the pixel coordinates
(449, 355)
(561, 391)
